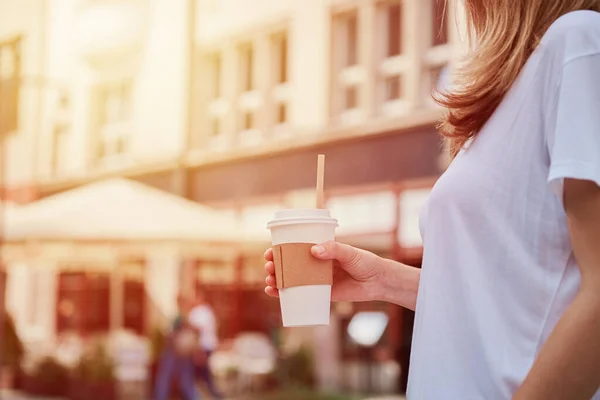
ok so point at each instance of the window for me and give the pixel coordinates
(215, 126)
(394, 30)
(231, 290)
(393, 88)
(217, 281)
(279, 91)
(393, 64)
(247, 67)
(83, 302)
(214, 64)
(134, 306)
(346, 39)
(349, 74)
(97, 312)
(280, 50)
(439, 54)
(10, 73)
(282, 113)
(351, 43)
(250, 100)
(440, 23)
(248, 121)
(114, 121)
(351, 98)
(252, 272)
(134, 296)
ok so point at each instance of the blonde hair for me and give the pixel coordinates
(504, 34)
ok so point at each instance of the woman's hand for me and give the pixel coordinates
(357, 274)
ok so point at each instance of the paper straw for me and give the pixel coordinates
(320, 180)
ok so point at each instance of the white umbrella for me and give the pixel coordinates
(120, 209)
(8, 216)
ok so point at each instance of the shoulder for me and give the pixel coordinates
(574, 35)
(575, 23)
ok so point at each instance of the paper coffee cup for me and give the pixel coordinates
(293, 233)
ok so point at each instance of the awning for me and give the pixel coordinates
(8, 214)
(120, 210)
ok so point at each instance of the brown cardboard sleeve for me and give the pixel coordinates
(295, 266)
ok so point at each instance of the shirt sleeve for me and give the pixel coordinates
(574, 144)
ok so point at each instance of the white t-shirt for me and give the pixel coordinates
(498, 267)
(203, 318)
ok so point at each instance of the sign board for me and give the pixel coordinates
(365, 213)
(254, 219)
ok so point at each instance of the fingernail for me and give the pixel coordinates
(319, 250)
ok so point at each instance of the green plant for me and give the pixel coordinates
(12, 347)
(297, 370)
(303, 394)
(276, 334)
(157, 343)
(101, 366)
(50, 372)
(231, 372)
(96, 365)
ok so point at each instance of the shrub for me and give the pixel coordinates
(96, 365)
(50, 372)
(12, 347)
(296, 369)
(303, 394)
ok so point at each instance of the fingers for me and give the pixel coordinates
(270, 268)
(336, 251)
(271, 281)
(269, 255)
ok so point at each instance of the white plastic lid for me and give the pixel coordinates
(302, 216)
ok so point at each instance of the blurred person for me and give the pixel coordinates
(202, 318)
(177, 359)
(508, 298)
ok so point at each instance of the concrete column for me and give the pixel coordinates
(187, 276)
(368, 56)
(416, 37)
(179, 182)
(46, 300)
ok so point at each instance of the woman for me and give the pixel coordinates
(508, 299)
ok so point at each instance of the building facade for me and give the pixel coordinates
(227, 103)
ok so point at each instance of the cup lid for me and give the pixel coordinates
(302, 216)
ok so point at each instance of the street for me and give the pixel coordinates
(11, 395)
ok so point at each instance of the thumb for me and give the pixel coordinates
(348, 256)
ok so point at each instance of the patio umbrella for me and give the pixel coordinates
(119, 209)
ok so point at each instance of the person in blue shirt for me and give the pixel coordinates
(177, 358)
